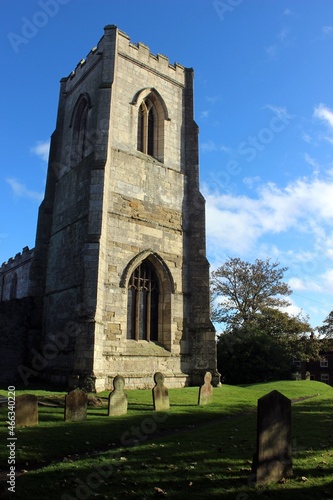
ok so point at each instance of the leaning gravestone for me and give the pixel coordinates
(117, 398)
(76, 406)
(160, 393)
(26, 410)
(206, 390)
(272, 460)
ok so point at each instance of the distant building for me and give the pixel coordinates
(118, 280)
(317, 369)
(322, 370)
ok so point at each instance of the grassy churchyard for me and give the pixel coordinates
(199, 452)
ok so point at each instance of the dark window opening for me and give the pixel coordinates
(142, 307)
(147, 129)
(150, 138)
(80, 131)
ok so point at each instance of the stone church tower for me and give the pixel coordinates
(120, 248)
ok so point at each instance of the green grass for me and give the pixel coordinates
(202, 452)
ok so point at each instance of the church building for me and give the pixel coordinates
(119, 275)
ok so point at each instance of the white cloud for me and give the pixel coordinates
(41, 149)
(236, 223)
(21, 191)
(280, 111)
(250, 182)
(306, 137)
(312, 162)
(301, 284)
(325, 114)
(208, 147)
(293, 309)
(327, 280)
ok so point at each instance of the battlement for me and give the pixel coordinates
(141, 53)
(137, 51)
(18, 260)
(85, 63)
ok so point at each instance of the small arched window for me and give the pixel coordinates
(80, 139)
(147, 142)
(142, 305)
(152, 114)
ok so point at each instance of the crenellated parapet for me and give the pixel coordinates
(138, 52)
(14, 275)
(20, 259)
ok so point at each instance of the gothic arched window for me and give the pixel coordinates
(152, 114)
(142, 305)
(147, 123)
(80, 143)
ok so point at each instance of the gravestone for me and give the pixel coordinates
(26, 410)
(117, 398)
(272, 460)
(206, 390)
(160, 393)
(76, 406)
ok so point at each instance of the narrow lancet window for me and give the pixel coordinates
(142, 305)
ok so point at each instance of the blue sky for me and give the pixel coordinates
(263, 102)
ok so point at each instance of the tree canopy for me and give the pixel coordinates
(241, 290)
(326, 330)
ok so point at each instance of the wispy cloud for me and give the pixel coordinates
(41, 149)
(287, 12)
(280, 111)
(327, 31)
(312, 162)
(21, 191)
(283, 39)
(271, 50)
(204, 114)
(208, 146)
(325, 114)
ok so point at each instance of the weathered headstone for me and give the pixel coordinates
(206, 390)
(76, 406)
(117, 398)
(272, 460)
(160, 393)
(26, 410)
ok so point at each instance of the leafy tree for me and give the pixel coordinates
(264, 348)
(326, 330)
(252, 356)
(242, 290)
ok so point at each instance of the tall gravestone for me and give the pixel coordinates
(76, 406)
(160, 393)
(272, 460)
(206, 390)
(117, 398)
(26, 410)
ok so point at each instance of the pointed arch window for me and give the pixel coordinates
(80, 142)
(150, 134)
(142, 305)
